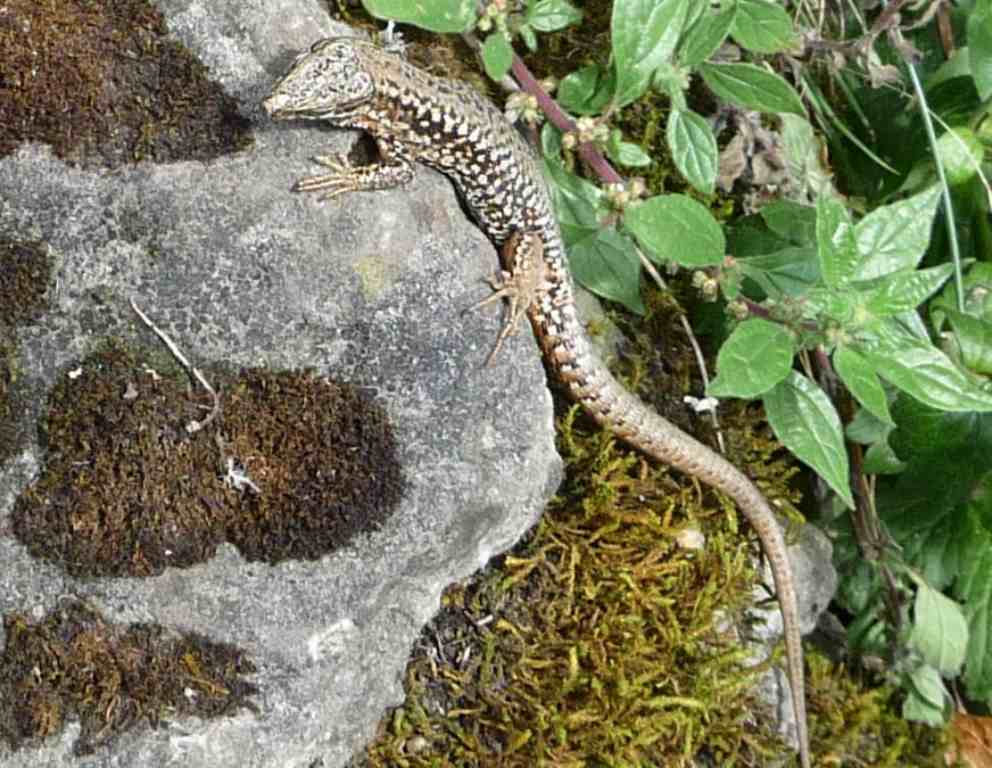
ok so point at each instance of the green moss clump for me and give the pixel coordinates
(601, 640)
(75, 664)
(294, 467)
(860, 725)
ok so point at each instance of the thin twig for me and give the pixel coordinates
(193, 426)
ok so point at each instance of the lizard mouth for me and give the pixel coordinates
(277, 106)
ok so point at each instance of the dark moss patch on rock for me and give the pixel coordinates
(25, 270)
(294, 467)
(101, 83)
(111, 677)
(24, 274)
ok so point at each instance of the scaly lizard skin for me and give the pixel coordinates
(418, 118)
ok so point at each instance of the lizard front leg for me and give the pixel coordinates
(392, 170)
(523, 255)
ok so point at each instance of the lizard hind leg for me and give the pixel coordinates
(523, 254)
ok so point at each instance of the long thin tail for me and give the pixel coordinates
(589, 382)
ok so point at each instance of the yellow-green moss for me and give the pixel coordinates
(602, 641)
(860, 725)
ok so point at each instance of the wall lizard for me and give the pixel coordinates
(417, 117)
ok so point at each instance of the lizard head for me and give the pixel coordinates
(326, 83)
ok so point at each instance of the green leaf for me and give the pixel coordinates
(940, 632)
(921, 370)
(576, 200)
(895, 237)
(626, 153)
(791, 221)
(928, 699)
(751, 87)
(804, 420)
(865, 428)
(644, 36)
(903, 291)
(552, 15)
(980, 48)
(706, 36)
(974, 589)
(860, 378)
(880, 459)
(836, 246)
(973, 340)
(693, 148)
(676, 228)
(961, 152)
(947, 454)
(787, 272)
(605, 262)
(757, 356)
(587, 90)
(444, 16)
(762, 27)
(529, 37)
(497, 55)
(803, 149)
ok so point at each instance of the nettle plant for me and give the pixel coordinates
(828, 332)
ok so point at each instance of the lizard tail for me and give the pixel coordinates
(570, 353)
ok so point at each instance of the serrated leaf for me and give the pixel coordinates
(836, 246)
(444, 16)
(804, 420)
(980, 48)
(762, 27)
(940, 632)
(903, 291)
(706, 36)
(644, 34)
(551, 15)
(693, 148)
(895, 237)
(756, 356)
(497, 55)
(921, 370)
(752, 87)
(604, 261)
(676, 228)
(859, 377)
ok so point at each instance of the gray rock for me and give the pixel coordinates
(369, 289)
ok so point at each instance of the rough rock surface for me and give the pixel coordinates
(369, 290)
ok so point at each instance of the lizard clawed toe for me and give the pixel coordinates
(523, 253)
